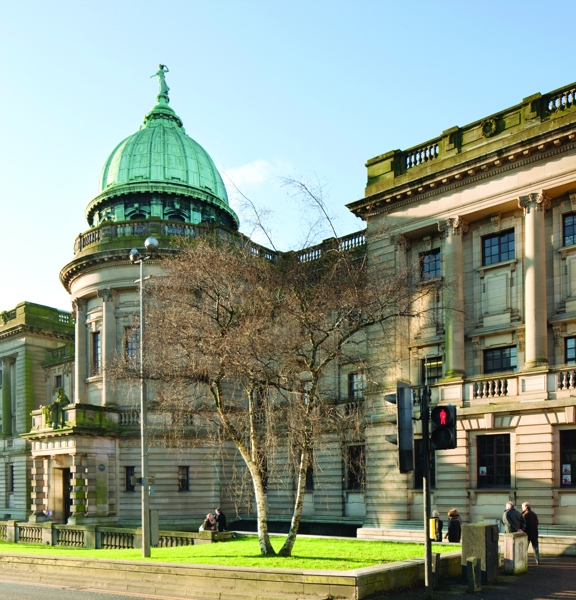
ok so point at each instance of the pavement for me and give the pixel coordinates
(553, 579)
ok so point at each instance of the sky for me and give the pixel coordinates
(306, 89)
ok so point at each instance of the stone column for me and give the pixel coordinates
(81, 351)
(535, 312)
(108, 340)
(7, 362)
(78, 494)
(453, 229)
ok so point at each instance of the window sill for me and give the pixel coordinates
(505, 263)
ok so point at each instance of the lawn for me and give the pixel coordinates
(309, 553)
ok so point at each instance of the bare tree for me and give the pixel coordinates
(242, 345)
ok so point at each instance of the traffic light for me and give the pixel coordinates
(443, 428)
(404, 436)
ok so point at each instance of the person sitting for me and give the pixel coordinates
(209, 523)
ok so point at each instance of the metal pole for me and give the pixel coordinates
(426, 480)
(144, 450)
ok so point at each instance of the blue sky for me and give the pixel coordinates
(304, 89)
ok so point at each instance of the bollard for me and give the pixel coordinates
(474, 574)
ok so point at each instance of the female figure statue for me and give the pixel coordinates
(164, 89)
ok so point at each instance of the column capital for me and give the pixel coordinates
(106, 294)
(401, 242)
(538, 201)
(8, 360)
(455, 225)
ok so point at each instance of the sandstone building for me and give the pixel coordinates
(489, 207)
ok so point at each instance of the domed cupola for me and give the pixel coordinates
(160, 172)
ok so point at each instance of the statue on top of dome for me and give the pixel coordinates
(164, 89)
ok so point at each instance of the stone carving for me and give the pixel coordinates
(455, 225)
(54, 413)
(495, 220)
(489, 127)
(538, 201)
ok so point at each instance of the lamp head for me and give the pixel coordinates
(151, 244)
(135, 255)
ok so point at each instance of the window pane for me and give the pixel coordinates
(431, 369)
(498, 248)
(497, 360)
(183, 479)
(570, 345)
(128, 474)
(493, 460)
(430, 264)
(568, 458)
(569, 229)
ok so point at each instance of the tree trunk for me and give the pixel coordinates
(286, 549)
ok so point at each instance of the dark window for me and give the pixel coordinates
(497, 360)
(9, 478)
(128, 475)
(132, 346)
(430, 264)
(356, 386)
(355, 468)
(183, 479)
(418, 464)
(58, 381)
(568, 458)
(570, 348)
(96, 365)
(431, 369)
(493, 460)
(569, 229)
(498, 248)
(310, 473)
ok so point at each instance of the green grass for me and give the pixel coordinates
(308, 553)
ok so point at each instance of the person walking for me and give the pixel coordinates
(531, 529)
(454, 526)
(512, 519)
(220, 520)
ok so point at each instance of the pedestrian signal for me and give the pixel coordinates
(443, 428)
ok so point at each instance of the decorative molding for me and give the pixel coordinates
(538, 201)
(489, 127)
(496, 220)
(572, 196)
(489, 420)
(456, 225)
(520, 340)
(401, 242)
(557, 328)
(477, 344)
(107, 294)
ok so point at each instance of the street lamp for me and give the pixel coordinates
(151, 245)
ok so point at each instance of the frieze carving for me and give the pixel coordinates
(477, 344)
(572, 196)
(455, 225)
(401, 242)
(520, 340)
(496, 220)
(557, 329)
(538, 201)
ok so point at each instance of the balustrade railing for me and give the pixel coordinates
(114, 539)
(567, 379)
(30, 534)
(71, 538)
(424, 154)
(174, 540)
(491, 388)
(129, 418)
(560, 101)
(3, 532)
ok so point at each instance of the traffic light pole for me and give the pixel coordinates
(426, 481)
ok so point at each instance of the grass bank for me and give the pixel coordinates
(308, 553)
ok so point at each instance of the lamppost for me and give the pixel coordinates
(151, 245)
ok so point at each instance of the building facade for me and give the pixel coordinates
(488, 209)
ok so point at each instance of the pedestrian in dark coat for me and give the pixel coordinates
(220, 520)
(454, 526)
(531, 529)
(512, 519)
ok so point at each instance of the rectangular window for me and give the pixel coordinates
(9, 478)
(570, 350)
(431, 369)
(132, 346)
(96, 365)
(418, 470)
(498, 248)
(355, 468)
(128, 475)
(498, 360)
(430, 265)
(183, 479)
(568, 458)
(57, 382)
(356, 386)
(569, 229)
(493, 460)
(310, 473)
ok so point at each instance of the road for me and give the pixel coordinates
(19, 590)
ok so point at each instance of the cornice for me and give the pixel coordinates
(465, 174)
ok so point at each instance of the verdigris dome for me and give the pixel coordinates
(159, 171)
(161, 151)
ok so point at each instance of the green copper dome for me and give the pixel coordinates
(159, 171)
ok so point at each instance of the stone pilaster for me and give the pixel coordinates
(7, 365)
(78, 493)
(535, 313)
(108, 340)
(453, 230)
(38, 496)
(81, 351)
